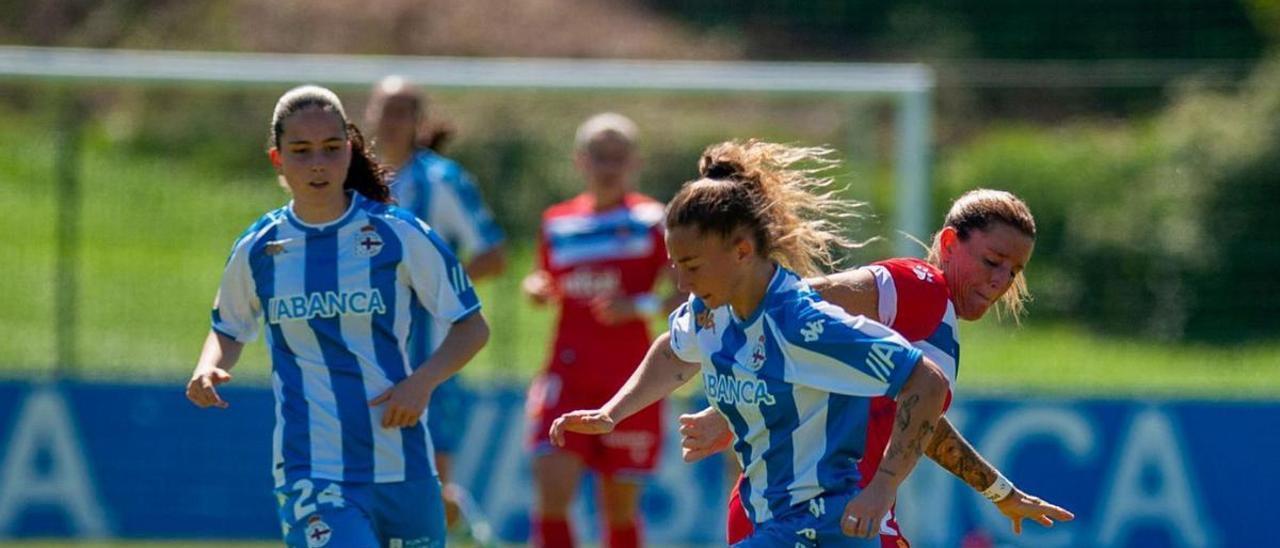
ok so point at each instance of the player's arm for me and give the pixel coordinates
(489, 263)
(659, 374)
(235, 316)
(920, 403)
(219, 355)
(406, 400)
(538, 284)
(466, 215)
(852, 290)
(612, 310)
(442, 287)
(956, 455)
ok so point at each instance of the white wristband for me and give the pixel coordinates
(999, 489)
(646, 303)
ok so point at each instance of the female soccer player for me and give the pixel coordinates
(794, 374)
(976, 259)
(600, 255)
(440, 192)
(335, 274)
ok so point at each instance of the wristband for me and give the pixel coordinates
(999, 490)
(646, 304)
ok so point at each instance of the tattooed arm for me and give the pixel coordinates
(919, 406)
(954, 454)
(660, 374)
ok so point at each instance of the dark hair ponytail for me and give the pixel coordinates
(364, 175)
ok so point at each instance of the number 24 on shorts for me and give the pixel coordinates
(331, 495)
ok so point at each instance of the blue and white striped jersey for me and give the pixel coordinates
(795, 382)
(337, 302)
(440, 192)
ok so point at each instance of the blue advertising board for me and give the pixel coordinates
(94, 460)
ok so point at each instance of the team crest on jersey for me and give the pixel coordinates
(368, 242)
(706, 320)
(757, 355)
(318, 532)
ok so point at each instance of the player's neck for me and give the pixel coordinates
(320, 211)
(607, 198)
(751, 292)
(396, 156)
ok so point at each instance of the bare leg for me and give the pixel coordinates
(556, 478)
(620, 502)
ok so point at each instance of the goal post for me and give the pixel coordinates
(908, 86)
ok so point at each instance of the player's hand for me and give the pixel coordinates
(863, 514)
(1019, 506)
(703, 434)
(539, 286)
(587, 421)
(202, 388)
(613, 310)
(404, 402)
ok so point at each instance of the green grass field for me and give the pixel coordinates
(155, 232)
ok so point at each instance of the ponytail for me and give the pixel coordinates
(765, 190)
(365, 175)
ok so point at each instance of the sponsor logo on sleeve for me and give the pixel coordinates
(880, 360)
(812, 330)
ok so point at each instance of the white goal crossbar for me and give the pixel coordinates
(910, 86)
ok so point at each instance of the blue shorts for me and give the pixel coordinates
(315, 513)
(445, 415)
(812, 523)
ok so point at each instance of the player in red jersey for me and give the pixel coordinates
(976, 259)
(599, 257)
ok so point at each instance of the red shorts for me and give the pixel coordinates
(631, 449)
(739, 526)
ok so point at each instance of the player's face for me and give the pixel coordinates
(398, 122)
(982, 268)
(706, 265)
(608, 162)
(314, 155)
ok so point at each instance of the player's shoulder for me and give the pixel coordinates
(694, 316)
(914, 278)
(400, 220)
(913, 268)
(646, 210)
(260, 228)
(791, 303)
(577, 205)
(919, 292)
(443, 169)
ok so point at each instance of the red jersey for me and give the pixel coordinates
(914, 301)
(592, 254)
